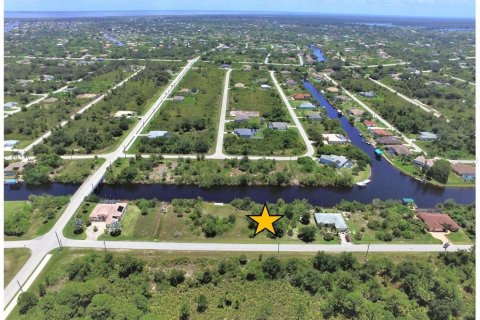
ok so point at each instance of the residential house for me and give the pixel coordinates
(427, 136)
(265, 86)
(10, 143)
(302, 96)
(245, 132)
(333, 89)
(225, 66)
(159, 134)
(398, 150)
(10, 105)
(335, 161)
(126, 114)
(185, 91)
(278, 125)
(178, 98)
(334, 220)
(239, 85)
(388, 140)
(370, 123)
(314, 117)
(108, 212)
(307, 106)
(438, 222)
(367, 94)
(342, 98)
(423, 162)
(334, 138)
(356, 113)
(466, 171)
(290, 82)
(381, 133)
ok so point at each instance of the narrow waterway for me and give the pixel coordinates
(387, 183)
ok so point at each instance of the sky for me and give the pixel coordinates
(424, 8)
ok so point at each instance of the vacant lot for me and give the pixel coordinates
(13, 260)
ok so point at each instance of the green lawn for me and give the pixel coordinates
(76, 171)
(13, 260)
(460, 237)
(82, 213)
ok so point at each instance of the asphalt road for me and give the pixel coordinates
(223, 112)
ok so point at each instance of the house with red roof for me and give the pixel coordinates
(438, 222)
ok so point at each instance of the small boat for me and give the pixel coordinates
(360, 134)
(364, 183)
(340, 112)
(378, 152)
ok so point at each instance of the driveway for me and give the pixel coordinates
(91, 234)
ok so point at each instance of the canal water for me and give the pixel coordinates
(387, 183)
(317, 52)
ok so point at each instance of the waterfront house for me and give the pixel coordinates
(466, 171)
(356, 113)
(278, 125)
(438, 222)
(333, 89)
(370, 123)
(427, 136)
(108, 212)
(381, 133)
(398, 150)
(334, 138)
(335, 161)
(388, 140)
(159, 134)
(342, 98)
(245, 132)
(423, 162)
(334, 220)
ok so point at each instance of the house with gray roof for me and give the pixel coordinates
(178, 98)
(331, 220)
(367, 94)
(335, 161)
(245, 132)
(314, 117)
(10, 105)
(278, 125)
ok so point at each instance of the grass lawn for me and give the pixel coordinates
(83, 213)
(13, 261)
(460, 237)
(103, 82)
(37, 224)
(129, 222)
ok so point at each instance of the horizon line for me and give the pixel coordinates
(246, 12)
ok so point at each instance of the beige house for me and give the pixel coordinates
(108, 212)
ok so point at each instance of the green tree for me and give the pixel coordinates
(26, 301)
(271, 267)
(307, 233)
(440, 171)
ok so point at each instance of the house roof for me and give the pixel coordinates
(399, 149)
(424, 161)
(370, 123)
(157, 134)
(382, 132)
(307, 105)
(331, 218)
(388, 140)
(334, 137)
(278, 125)
(463, 169)
(340, 161)
(244, 132)
(108, 211)
(428, 135)
(435, 221)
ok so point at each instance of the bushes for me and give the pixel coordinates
(307, 233)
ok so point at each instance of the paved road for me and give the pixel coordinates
(223, 112)
(46, 243)
(376, 65)
(461, 80)
(417, 103)
(310, 149)
(301, 59)
(378, 117)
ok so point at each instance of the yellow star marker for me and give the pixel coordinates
(265, 221)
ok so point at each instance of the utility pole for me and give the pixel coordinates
(278, 250)
(58, 239)
(105, 245)
(368, 249)
(20, 286)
